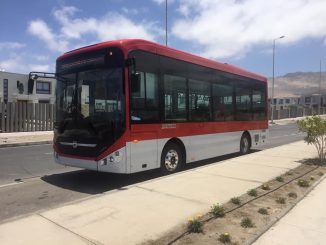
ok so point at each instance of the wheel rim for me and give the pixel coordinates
(171, 160)
(245, 145)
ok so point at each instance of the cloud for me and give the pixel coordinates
(18, 64)
(41, 30)
(11, 45)
(163, 1)
(224, 28)
(40, 68)
(75, 30)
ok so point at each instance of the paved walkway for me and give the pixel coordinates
(21, 138)
(304, 224)
(146, 210)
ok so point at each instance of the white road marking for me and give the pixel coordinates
(14, 183)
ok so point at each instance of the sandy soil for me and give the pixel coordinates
(230, 223)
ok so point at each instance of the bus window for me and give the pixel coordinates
(199, 100)
(144, 103)
(223, 106)
(259, 103)
(175, 98)
(243, 104)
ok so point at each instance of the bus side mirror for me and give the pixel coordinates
(30, 86)
(135, 82)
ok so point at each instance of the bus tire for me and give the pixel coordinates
(172, 158)
(245, 144)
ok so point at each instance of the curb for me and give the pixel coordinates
(26, 144)
(286, 211)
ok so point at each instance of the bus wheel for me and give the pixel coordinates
(171, 159)
(245, 144)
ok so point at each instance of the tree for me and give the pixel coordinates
(315, 127)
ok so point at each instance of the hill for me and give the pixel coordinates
(297, 84)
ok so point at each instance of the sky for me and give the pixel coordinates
(239, 32)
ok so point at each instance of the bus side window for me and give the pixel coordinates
(175, 98)
(199, 100)
(259, 103)
(144, 102)
(223, 102)
(243, 104)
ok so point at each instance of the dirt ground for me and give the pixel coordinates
(230, 223)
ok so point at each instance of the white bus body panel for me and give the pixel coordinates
(113, 163)
(146, 154)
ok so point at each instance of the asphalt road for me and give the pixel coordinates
(30, 181)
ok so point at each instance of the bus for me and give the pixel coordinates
(132, 105)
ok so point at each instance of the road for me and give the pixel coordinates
(30, 181)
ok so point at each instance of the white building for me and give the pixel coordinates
(14, 88)
(286, 102)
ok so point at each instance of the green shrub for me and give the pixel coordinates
(246, 223)
(265, 187)
(195, 225)
(303, 183)
(218, 210)
(280, 179)
(281, 200)
(320, 173)
(252, 192)
(236, 200)
(293, 195)
(315, 127)
(225, 238)
(263, 211)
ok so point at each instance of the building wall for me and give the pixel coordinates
(13, 91)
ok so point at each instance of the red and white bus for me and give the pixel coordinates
(132, 105)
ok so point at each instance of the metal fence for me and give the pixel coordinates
(26, 117)
(294, 112)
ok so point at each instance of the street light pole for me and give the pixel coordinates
(319, 104)
(274, 77)
(319, 107)
(166, 22)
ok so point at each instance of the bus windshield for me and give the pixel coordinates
(90, 109)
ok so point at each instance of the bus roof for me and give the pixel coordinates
(128, 45)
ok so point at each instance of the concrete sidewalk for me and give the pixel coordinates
(25, 138)
(304, 224)
(146, 210)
